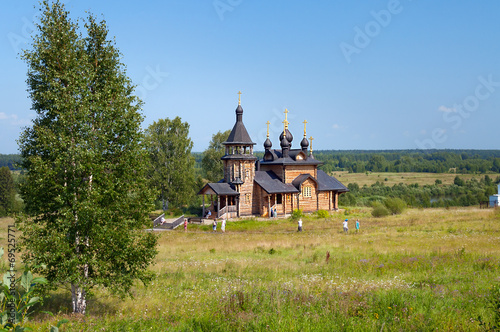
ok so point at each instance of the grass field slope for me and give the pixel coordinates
(427, 269)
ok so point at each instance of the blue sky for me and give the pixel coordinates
(365, 75)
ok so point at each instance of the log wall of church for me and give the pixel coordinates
(308, 204)
(257, 202)
(246, 198)
(291, 172)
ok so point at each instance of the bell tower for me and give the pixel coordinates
(239, 162)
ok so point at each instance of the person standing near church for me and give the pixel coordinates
(357, 225)
(346, 227)
(223, 225)
(185, 224)
(300, 225)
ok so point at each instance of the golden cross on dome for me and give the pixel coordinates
(268, 123)
(239, 97)
(286, 118)
(284, 127)
(311, 139)
(305, 121)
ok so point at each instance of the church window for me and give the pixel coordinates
(247, 198)
(306, 191)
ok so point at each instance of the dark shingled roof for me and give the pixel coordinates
(239, 134)
(297, 182)
(276, 157)
(327, 183)
(270, 182)
(220, 189)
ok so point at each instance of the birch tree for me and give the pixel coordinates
(85, 191)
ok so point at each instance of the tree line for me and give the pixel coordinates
(431, 161)
(460, 193)
(176, 173)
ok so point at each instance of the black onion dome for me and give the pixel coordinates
(289, 136)
(267, 144)
(284, 142)
(304, 144)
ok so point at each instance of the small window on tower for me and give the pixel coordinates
(247, 198)
(306, 191)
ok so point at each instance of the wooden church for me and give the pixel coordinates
(284, 180)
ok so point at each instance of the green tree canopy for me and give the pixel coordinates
(171, 167)
(211, 163)
(85, 191)
(7, 192)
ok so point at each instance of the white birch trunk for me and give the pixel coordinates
(79, 299)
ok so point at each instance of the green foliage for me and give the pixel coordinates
(12, 161)
(7, 192)
(171, 166)
(438, 182)
(458, 181)
(434, 161)
(471, 193)
(211, 162)
(395, 205)
(296, 214)
(86, 193)
(379, 210)
(323, 214)
(17, 297)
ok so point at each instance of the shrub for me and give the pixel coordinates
(296, 214)
(395, 205)
(322, 214)
(379, 210)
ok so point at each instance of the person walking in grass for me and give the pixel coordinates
(357, 225)
(185, 225)
(223, 225)
(300, 225)
(214, 225)
(346, 227)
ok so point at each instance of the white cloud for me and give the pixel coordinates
(13, 119)
(336, 126)
(445, 109)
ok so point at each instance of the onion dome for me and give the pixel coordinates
(304, 144)
(267, 144)
(289, 137)
(284, 142)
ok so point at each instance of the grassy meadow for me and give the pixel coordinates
(407, 178)
(427, 269)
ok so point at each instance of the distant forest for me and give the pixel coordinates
(394, 161)
(12, 161)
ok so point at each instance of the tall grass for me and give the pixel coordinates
(424, 270)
